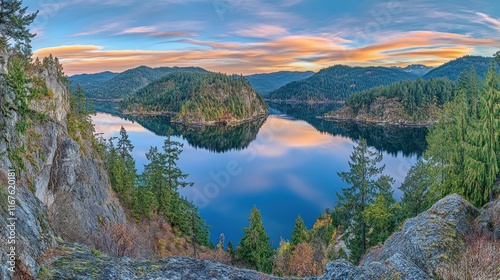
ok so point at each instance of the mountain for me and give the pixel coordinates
(452, 69)
(267, 82)
(90, 82)
(92, 78)
(199, 98)
(417, 69)
(338, 83)
(128, 82)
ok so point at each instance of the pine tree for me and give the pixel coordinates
(379, 217)
(496, 56)
(254, 248)
(366, 182)
(299, 233)
(14, 22)
(416, 187)
(482, 162)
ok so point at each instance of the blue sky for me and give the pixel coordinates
(255, 36)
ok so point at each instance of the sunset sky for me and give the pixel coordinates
(256, 36)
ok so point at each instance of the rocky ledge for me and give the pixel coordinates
(423, 244)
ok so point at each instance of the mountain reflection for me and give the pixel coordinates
(391, 139)
(215, 138)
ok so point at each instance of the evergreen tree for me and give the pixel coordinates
(14, 22)
(416, 187)
(121, 169)
(366, 182)
(230, 250)
(482, 162)
(446, 144)
(379, 217)
(299, 233)
(254, 248)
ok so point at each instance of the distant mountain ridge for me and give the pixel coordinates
(125, 83)
(338, 83)
(417, 69)
(264, 83)
(93, 78)
(452, 69)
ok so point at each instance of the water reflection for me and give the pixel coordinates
(285, 167)
(391, 139)
(214, 138)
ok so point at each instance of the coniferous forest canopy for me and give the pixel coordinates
(198, 97)
(338, 82)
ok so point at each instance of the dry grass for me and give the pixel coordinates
(480, 260)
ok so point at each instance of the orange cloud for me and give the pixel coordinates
(292, 52)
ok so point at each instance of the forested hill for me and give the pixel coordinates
(93, 78)
(127, 82)
(452, 69)
(405, 102)
(338, 83)
(267, 82)
(198, 98)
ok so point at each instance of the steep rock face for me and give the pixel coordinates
(433, 237)
(63, 188)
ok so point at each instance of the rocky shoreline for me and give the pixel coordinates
(402, 123)
(226, 122)
(382, 112)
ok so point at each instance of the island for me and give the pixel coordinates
(198, 98)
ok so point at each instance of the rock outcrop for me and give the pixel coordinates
(62, 188)
(423, 244)
(384, 111)
(433, 237)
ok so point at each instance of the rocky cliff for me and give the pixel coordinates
(62, 190)
(423, 244)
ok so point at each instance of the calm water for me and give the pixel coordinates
(283, 164)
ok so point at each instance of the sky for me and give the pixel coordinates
(260, 36)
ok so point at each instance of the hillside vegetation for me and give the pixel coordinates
(412, 101)
(198, 98)
(452, 69)
(338, 83)
(265, 83)
(125, 83)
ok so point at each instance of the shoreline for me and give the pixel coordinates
(292, 101)
(377, 122)
(230, 122)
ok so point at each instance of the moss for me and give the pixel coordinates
(95, 252)
(45, 273)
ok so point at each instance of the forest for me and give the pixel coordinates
(454, 68)
(418, 98)
(107, 85)
(198, 98)
(338, 83)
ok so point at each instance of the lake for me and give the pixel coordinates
(285, 164)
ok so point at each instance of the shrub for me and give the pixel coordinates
(479, 260)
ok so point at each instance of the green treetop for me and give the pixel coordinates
(14, 22)
(299, 233)
(366, 182)
(254, 248)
